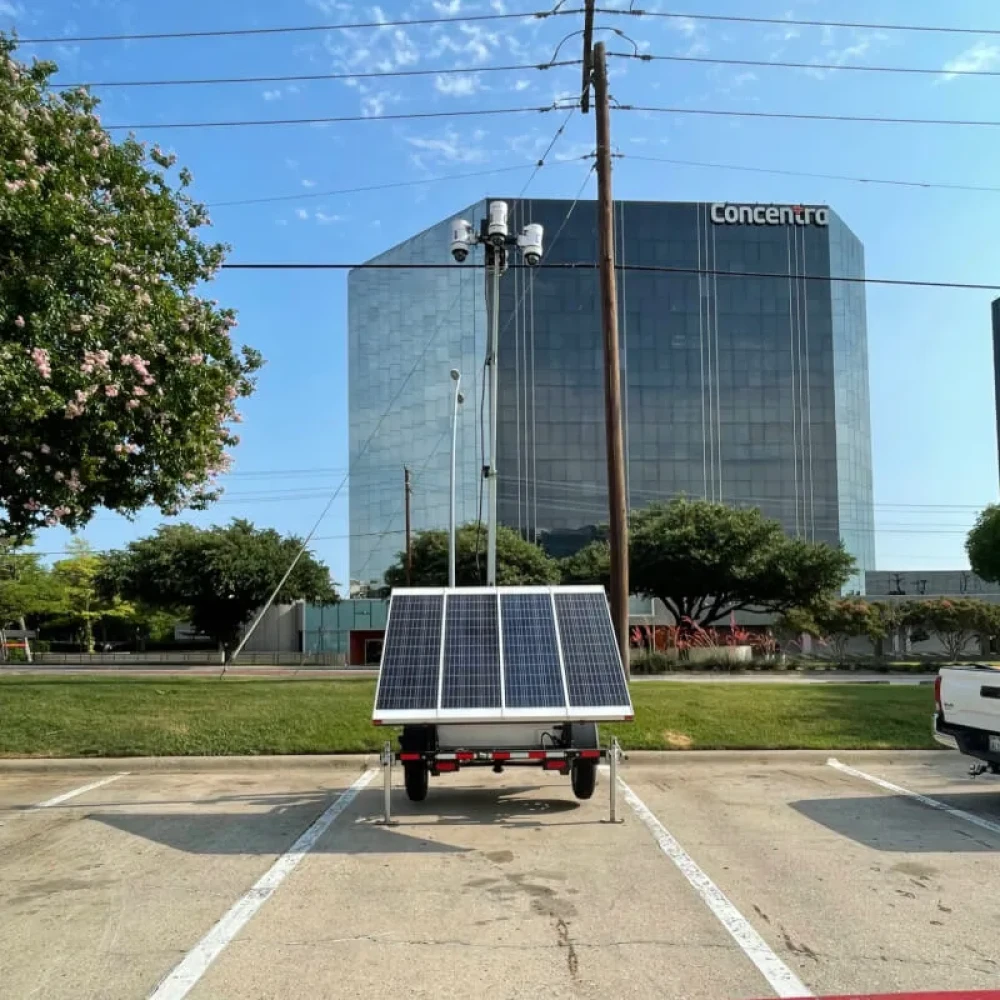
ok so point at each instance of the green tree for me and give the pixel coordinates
(118, 383)
(217, 576)
(519, 562)
(837, 622)
(26, 587)
(955, 622)
(706, 560)
(983, 544)
(592, 564)
(81, 599)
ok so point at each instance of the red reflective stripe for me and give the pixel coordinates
(447, 765)
(465, 755)
(501, 755)
(590, 754)
(536, 755)
(376, 722)
(409, 756)
(555, 765)
(629, 718)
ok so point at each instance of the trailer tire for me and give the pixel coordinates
(583, 777)
(415, 778)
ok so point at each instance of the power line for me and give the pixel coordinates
(548, 149)
(775, 64)
(293, 29)
(800, 22)
(305, 78)
(980, 188)
(339, 119)
(815, 117)
(650, 268)
(376, 187)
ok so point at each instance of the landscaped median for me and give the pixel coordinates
(121, 717)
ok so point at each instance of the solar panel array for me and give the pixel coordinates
(504, 653)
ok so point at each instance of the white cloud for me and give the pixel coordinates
(456, 86)
(685, 25)
(308, 183)
(9, 9)
(291, 164)
(743, 78)
(325, 220)
(450, 147)
(521, 84)
(499, 6)
(281, 222)
(978, 57)
(301, 213)
(271, 95)
(862, 44)
(451, 7)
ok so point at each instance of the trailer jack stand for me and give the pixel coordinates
(614, 756)
(387, 784)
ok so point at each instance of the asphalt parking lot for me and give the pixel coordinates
(731, 876)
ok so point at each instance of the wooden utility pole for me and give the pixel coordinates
(618, 512)
(408, 489)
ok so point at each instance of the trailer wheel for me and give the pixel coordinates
(583, 777)
(415, 778)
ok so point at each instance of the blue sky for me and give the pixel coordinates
(930, 350)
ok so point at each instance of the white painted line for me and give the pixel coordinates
(66, 796)
(783, 981)
(182, 979)
(986, 824)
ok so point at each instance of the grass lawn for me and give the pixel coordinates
(98, 716)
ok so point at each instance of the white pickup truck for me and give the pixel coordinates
(967, 715)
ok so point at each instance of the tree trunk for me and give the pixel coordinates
(88, 635)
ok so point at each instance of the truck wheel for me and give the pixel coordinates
(415, 778)
(583, 777)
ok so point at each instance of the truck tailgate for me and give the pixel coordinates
(970, 697)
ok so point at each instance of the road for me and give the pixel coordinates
(322, 673)
(731, 876)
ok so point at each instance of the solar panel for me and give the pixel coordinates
(594, 674)
(411, 654)
(507, 654)
(532, 672)
(471, 673)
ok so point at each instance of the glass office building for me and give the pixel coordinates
(744, 375)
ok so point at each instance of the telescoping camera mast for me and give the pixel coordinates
(499, 243)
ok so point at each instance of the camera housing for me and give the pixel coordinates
(529, 242)
(462, 239)
(496, 230)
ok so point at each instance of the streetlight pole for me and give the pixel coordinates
(459, 399)
(498, 242)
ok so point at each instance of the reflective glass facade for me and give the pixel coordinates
(738, 387)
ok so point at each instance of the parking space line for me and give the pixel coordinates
(923, 799)
(783, 981)
(66, 796)
(182, 979)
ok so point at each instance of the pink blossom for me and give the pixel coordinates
(237, 418)
(19, 471)
(73, 410)
(111, 391)
(231, 392)
(32, 505)
(196, 359)
(19, 322)
(44, 449)
(40, 357)
(149, 380)
(14, 186)
(60, 476)
(27, 454)
(138, 391)
(132, 404)
(119, 449)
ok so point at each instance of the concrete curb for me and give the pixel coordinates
(361, 762)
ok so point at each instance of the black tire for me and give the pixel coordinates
(415, 777)
(583, 777)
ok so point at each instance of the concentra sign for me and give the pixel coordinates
(769, 215)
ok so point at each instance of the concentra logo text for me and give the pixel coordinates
(769, 215)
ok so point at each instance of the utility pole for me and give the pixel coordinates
(408, 489)
(618, 512)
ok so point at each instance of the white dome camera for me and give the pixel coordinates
(462, 239)
(497, 229)
(530, 243)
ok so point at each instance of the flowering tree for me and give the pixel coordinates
(118, 383)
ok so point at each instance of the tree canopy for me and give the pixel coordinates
(219, 576)
(118, 382)
(519, 562)
(836, 622)
(706, 560)
(956, 622)
(983, 544)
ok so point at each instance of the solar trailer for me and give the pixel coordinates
(499, 677)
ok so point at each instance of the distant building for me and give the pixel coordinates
(744, 371)
(928, 583)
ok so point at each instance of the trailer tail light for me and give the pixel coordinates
(590, 754)
(555, 765)
(409, 756)
(536, 755)
(465, 755)
(937, 693)
(501, 755)
(447, 765)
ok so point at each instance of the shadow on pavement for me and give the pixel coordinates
(899, 823)
(501, 807)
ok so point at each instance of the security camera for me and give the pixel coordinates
(462, 239)
(497, 229)
(529, 242)
(455, 374)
